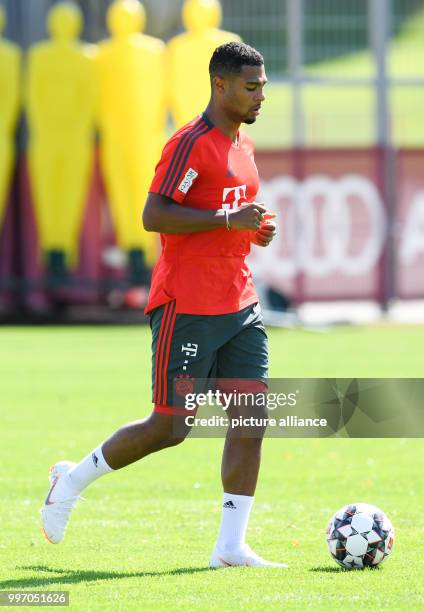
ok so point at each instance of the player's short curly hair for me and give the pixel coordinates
(230, 57)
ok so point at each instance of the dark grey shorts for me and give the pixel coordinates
(231, 346)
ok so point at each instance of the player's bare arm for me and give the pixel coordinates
(163, 215)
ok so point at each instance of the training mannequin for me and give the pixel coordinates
(61, 102)
(132, 120)
(188, 58)
(10, 65)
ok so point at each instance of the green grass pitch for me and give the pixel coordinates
(142, 539)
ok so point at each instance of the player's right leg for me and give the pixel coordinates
(165, 427)
(127, 445)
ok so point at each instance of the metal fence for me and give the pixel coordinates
(328, 28)
(342, 72)
(352, 69)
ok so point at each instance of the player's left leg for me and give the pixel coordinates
(244, 360)
(241, 458)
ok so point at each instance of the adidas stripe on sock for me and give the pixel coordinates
(235, 517)
(89, 469)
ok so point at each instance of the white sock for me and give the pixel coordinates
(88, 470)
(235, 517)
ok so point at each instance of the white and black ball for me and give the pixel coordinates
(360, 535)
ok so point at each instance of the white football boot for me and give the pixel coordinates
(59, 503)
(244, 556)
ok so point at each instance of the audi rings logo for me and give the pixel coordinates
(326, 226)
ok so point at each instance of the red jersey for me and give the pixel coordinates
(205, 272)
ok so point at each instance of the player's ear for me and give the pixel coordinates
(219, 84)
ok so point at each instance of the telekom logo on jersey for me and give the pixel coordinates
(231, 197)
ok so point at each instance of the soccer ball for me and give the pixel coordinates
(360, 535)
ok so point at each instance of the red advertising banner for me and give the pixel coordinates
(332, 222)
(408, 227)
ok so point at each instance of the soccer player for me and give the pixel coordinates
(204, 311)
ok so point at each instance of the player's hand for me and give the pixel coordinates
(265, 234)
(247, 217)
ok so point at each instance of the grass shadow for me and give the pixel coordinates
(68, 576)
(327, 569)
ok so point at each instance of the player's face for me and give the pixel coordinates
(244, 95)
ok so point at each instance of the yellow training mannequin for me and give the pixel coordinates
(10, 65)
(132, 120)
(188, 58)
(61, 102)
